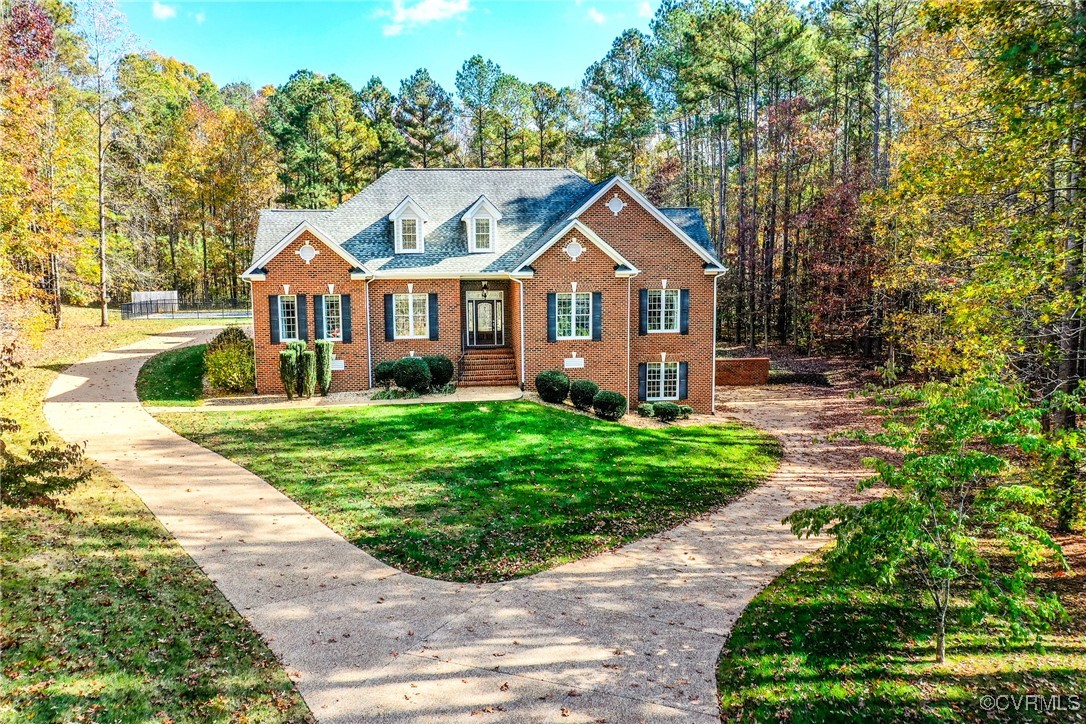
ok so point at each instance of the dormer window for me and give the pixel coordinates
(481, 225)
(408, 224)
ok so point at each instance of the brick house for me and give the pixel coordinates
(508, 272)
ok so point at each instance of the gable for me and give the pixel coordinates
(306, 243)
(573, 237)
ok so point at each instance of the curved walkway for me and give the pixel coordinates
(627, 636)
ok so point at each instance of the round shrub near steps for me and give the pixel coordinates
(645, 410)
(441, 369)
(609, 405)
(384, 373)
(552, 386)
(666, 411)
(582, 392)
(412, 373)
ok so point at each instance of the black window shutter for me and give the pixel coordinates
(643, 305)
(431, 303)
(597, 316)
(318, 316)
(642, 374)
(684, 311)
(273, 318)
(390, 327)
(552, 317)
(345, 317)
(303, 319)
(682, 380)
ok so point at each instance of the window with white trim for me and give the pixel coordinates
(288, 317)
(482, 237)
(573, 315)
(333, 317)
(411, 316)
(662, 381)
(663, 310)
(409, 240)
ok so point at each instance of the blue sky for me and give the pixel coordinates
(264, 42)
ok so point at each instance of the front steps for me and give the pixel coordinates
(489, 367)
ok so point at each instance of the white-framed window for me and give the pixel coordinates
(482, 238)
(573, 315)
(411, 316)
(663, 310)
(662, 381)
(333, 317)
(409, 235)
(288, 317)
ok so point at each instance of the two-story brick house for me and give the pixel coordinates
(508, 272)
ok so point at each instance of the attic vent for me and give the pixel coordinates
(574, 249)
(308, 253)
(616, 205)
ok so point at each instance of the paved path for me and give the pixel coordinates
(623, 637)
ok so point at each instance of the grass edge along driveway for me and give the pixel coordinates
(486, 491)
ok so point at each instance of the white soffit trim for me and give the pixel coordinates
(407, 204)
(577, 225)
(482, 204)
(648, 206)
(297, 231)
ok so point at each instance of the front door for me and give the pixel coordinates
(484, 321)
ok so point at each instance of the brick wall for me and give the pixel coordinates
(310, 279)
(742, 371)
(448, 324)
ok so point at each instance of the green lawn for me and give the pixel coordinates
(174, 377)
(486, 492)
(811, 649)
(104, 617)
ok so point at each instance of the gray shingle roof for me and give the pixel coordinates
(690, 220)
(534, 204)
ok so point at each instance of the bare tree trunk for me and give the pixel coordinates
(102, 271)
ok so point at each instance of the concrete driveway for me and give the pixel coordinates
(628, 636)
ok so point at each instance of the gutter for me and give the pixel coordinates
(520, 283)
(716, 311)
(369, 335)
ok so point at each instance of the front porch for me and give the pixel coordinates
(488, 355)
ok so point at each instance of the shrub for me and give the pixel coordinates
(324, 364)
(298, 346)
(412, 373)
(609, 405)
(384, 373)
(581, 393)
(307, 373)
(389, 394)
(228, 338)
(230, 367)
(666, 411)
(441, 369)
(645, 410)
(685, 411)
(288, 371)
(552, 385)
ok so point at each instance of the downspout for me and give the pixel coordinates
(629, 311)
(369, 334)
(520, 301)
(712, 392)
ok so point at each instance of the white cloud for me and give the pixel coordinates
(596, 16)
(162, 11)
(406, 14)
(199, 17)
(645, 10)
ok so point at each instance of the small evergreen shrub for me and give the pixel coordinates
(581, 392)
(384, 373)
(645, 410)
(298, 346)
(446, 389)
(227, 338)
(685, 411)
(666, 411)
(230, 367)
(552, 386)
(324, 364)
(441, 369)
(609, 405)
(412, 373)
(288, 371)
(393, 394)
(307, 373)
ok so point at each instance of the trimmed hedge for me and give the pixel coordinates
(228, 338)
(609, 405)
(412, 373)
(298, 346)
(288, 371)
(666, 411)
(441, 369)
(645, 410)
(581, 392)
(307, 373)
(384, 373)
(552, 386)
(685, 411)
(324, 364)
(231, 367)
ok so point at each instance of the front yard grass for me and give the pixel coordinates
(103, 616)
(486, 492)
(174, 377)
(813, 649)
